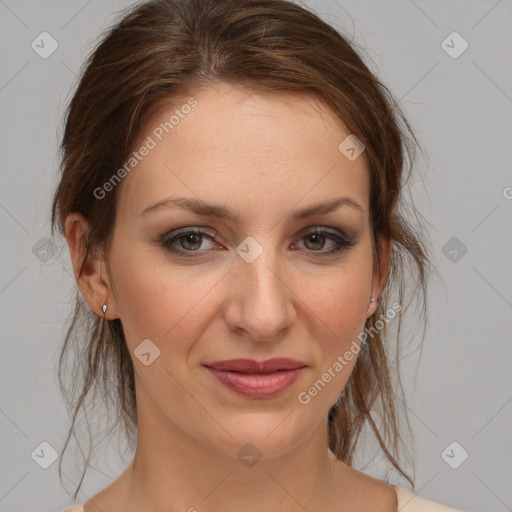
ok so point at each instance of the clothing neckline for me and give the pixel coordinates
(401, 495)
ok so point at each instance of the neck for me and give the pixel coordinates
(173, 471)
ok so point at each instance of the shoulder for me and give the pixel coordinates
(410, 502)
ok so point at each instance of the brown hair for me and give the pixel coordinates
(164, 48)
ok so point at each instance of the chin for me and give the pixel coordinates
(261, 435)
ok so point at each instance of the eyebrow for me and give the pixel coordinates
(223, 212)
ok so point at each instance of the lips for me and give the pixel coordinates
(251, 366)
(254, 379)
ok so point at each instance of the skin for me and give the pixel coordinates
(264, 156)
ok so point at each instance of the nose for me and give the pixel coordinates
(260, 303)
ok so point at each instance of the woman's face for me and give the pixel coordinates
(257, 286)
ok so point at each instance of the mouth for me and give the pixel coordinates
(255, 379)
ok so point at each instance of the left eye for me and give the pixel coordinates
(191, 240)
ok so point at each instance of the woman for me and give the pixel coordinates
(231, 194)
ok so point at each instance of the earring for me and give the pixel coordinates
(374, 300)
(104, 309)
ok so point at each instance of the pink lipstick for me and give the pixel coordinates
(254, 379)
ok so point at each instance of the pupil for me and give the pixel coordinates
(197, 239)
(318, 238)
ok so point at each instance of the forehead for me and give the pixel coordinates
(251, 150)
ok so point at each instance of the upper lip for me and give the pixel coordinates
(251, 366)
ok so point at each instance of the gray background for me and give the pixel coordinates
(460, 109)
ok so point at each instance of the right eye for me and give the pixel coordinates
(189, 241)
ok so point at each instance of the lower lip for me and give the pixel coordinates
(257, 385)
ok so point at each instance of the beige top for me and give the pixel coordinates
(407, 502)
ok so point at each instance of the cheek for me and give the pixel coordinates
(340, 299)
(159, 301)
(339, 309)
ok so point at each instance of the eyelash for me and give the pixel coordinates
(167, 240)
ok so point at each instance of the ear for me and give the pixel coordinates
(380, 272)
(92, 278)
